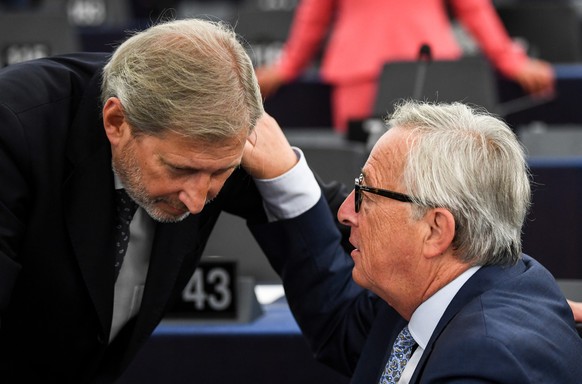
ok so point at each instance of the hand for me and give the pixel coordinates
(577, 310)
(269, 80)
(537, 78)
(267, 152)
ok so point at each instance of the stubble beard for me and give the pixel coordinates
(127, 169)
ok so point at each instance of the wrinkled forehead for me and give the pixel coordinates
(195, 153)
(385, 164)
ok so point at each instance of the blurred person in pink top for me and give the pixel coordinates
(368, 33)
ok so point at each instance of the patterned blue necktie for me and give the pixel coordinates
(401, 351)
(126, 208)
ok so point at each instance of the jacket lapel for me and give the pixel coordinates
(483, 280)
(88, 191)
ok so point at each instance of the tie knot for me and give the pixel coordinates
(405, 339)
(125, 206)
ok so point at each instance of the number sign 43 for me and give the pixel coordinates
(211, 292)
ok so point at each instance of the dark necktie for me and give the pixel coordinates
(126, 208)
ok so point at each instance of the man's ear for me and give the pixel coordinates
(114, 120)
(441, 233)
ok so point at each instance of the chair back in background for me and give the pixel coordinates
(469, 80)
(549, 30)
(25, 36)
(265, 25)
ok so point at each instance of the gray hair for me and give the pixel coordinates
(190, 76)
(471, 163)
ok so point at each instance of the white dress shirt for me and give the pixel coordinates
(426, 317)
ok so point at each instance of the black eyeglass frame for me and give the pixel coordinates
(358, 188)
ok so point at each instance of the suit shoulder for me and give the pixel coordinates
(43, 81)
(508, 349)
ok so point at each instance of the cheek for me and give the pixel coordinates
(377, 230)
(155, 183)
(385, 243)
(155, 179)
(374, 243)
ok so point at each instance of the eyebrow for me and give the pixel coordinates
(233, 166)
(194, 169)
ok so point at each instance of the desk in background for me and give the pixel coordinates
(270, 350)
(553, 228)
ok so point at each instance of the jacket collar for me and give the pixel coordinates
(485, 279)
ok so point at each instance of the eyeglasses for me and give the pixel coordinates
(358, 188)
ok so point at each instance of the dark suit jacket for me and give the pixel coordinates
(56, 214)
(505, 325)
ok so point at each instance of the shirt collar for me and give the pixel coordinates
(426, 317)
(117, 181)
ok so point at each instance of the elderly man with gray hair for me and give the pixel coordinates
(436, 289)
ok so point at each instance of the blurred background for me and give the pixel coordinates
(550, 129)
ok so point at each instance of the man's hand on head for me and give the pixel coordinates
(267, 152)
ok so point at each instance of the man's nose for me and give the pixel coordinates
(194, 192)
(346, 213)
